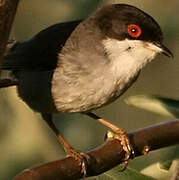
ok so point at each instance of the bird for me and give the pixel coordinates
(82, 65)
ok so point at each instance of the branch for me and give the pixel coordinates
(107, 155)
(7, 13)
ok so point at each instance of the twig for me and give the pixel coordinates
(107, 155)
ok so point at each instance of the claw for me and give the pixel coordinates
(124, 140)
(82, 159)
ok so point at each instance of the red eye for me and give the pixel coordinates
(134, 30)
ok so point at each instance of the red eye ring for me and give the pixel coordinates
(134, 30)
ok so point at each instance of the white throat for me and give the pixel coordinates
(128, 57)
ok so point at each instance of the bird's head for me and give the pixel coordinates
(130, 33)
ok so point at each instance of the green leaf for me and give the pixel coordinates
(160, 172)
(156, 104)
(102, 177)
(166, 165)
(128, 174)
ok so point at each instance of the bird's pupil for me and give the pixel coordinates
(134, 30)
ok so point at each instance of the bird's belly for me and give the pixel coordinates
(84, 96)
(82, 101)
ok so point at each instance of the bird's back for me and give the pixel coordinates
(39, 53)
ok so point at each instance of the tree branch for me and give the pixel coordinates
(107, 155)
(7, 13)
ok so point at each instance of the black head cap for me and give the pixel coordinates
(117, 20)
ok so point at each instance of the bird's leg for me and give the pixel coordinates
(70, 151)
(117, 133)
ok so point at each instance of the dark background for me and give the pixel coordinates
(25, 140)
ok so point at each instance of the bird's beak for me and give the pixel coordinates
(165, 51)
(159, 48)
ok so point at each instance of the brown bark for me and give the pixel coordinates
(107, 155)
(7, 13)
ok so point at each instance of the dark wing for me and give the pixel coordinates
(39, 53)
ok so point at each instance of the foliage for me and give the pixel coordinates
(128, 174)
(165, 107)
(156, 104)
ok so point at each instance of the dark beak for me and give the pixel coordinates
(165, 51)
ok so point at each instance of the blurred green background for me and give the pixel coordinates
(25, 140)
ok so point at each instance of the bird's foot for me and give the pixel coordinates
(80, 157)
(122, 136)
